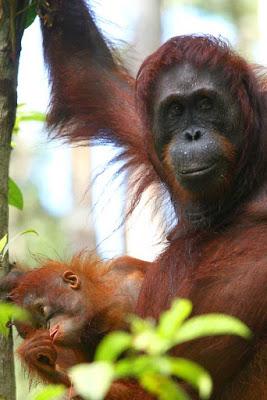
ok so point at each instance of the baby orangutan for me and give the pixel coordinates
(72, 307)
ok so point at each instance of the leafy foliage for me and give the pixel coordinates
(24, 115)
(15, 197)
(93, 380)
(31, 13)
(153, 369)
(9, 312)
(49, 392)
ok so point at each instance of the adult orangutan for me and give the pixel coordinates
(72, 306)
(193, 123)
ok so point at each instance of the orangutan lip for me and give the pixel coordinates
(53, 332)
(199, 171)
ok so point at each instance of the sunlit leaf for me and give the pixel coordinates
(137, 366)
(25, 115)
(154, 370)
(112, 346)
(3, 243)
(139, 325)
(50, 392)
(162, 387)
(92, 381)
(190, 372)
(149, 342)
(32, 116)
(144, 335)
(15, 197)
(171, 320)
(132, 366)
(211, 325)
(183, 369)
(10, 312)
(25, 232)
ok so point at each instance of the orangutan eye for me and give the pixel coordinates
(204, 104)
(41, 309)
(175, 110)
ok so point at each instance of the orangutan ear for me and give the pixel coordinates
(72, 279)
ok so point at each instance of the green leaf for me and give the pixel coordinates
(15, 197)
(3, 243)
(112, 346)
(149, 342)
(163, 387)
(145, 337)
(10, 311)
(211, 325)
(186, 370)
(189, 372)
(183, 369)
(139, 325)
(24, 116)
(32, 116)
(50, 392)
(31, 15)
(171, 320)
(137, 366)
(25, 232)
(92, 381)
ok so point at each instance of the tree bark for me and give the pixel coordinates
(11, 30)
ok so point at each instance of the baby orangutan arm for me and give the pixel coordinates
(41, 357)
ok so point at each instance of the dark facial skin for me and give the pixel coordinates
(196, 127)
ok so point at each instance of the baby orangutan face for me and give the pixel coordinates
(76, 301)
(58, 304)
(71, 306)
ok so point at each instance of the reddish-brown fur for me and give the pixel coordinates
(107, 292)
(221, 266)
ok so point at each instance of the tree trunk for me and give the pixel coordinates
(11, 30)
